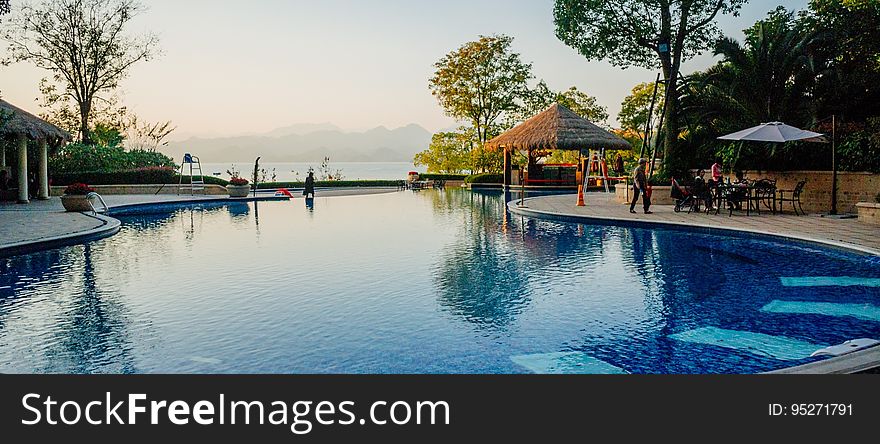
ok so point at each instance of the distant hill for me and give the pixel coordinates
(309, 143)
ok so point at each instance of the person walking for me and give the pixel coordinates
(309, 190)
(640, 186)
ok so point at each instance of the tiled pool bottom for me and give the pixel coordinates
(424, 282)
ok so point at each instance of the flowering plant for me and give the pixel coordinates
(78, 189)
(235, 178)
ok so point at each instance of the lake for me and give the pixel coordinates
(292, 171)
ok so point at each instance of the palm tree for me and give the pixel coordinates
(770, 77)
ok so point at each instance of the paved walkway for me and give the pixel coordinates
(848, 233)
(43, 220)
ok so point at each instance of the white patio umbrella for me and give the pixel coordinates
(775, 132)
(779, 132)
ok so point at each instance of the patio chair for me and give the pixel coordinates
(793, 196)
(764, 191)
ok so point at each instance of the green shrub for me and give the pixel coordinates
(330, 184)
(432, 176)
(485, 178)
(139, 176)
(661, 178)
(77, 157)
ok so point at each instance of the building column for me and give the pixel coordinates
(507, 168)
(43, 170)
(21, 144)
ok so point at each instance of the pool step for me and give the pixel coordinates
(829, 281)
(861, 311)
(777, 347)
(565, 363)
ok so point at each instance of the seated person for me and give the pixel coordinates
(738, 192)
(701, 190)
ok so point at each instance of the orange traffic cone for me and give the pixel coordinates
(581, 195)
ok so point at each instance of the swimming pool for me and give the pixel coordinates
(423, 282)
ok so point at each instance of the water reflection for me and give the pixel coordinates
(435, 281)
(93, 338)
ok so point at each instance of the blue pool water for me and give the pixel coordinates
(423, 282)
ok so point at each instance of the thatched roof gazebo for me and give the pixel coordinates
(556, 128)
(19, 127)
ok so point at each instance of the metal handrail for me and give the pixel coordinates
(93, 195)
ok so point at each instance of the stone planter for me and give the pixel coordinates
(661, 195)
(76, 203)
(869, 213)
(238, 190)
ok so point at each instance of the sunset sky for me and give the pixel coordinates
(250, 67)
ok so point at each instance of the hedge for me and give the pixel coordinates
(331, 184)
(484, 178)
(432, 176)
(139, 176)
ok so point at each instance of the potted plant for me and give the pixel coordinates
(76, 198)
(238, 186)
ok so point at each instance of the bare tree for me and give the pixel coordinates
(141, 135)
(83, 43)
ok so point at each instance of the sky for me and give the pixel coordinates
(234, 68)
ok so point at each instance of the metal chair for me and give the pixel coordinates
(794, 196)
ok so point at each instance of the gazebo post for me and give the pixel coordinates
(507, 168)
(21, 144)
(43, 171)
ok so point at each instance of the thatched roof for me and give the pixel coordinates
(558, 128)
(31, 126)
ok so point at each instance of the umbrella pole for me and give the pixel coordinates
(833, 165)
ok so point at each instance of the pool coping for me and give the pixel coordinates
(855, 362)
(568, 217)
(109, 227)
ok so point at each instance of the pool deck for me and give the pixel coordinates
(846, 233)
(44, 224)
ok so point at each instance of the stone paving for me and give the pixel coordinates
(45, 219)
(843, 232)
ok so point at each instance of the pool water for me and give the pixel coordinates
(424, 282)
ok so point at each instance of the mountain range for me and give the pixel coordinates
(309, 143)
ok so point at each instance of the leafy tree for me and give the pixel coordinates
(633, 116)
(5, 7)
(103, 134)
(449, 152)
(83, 44)
(645, 33)
(541, 97)
(583, 105)
(769, 77)
(480, 81)
(850, 51)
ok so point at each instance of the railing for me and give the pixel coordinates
(94, 195)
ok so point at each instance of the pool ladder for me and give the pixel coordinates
(94, 195)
